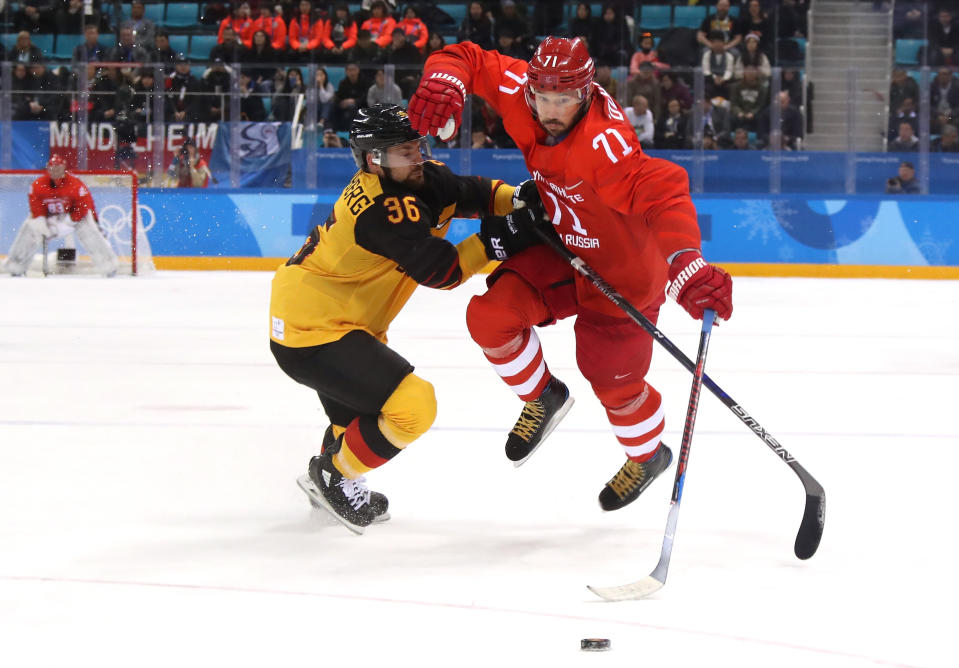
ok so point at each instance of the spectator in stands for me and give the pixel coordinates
(477, 27)
(641, 118)
(749, 97)
(943, 99)
(24, 50)
(306, 33)
(716, 125)
(217, 81)
(251, 103)
(20, 96)
(382, 92)
(184, 97)
(741, 140)
(240, 20)
(229, 48)
(340, 35)
(604, 77)
(645, 84)
(350, 96)
(791, 124)
(143, 91)
(273, 25)
(331, 139)
(479, 139)
(718, 65)
(259, 61)
(408, 61)
(905, 113)
(906, 139)
(671, 131)
(162, 52)
(948, 141)
(721, 21)
(904, 183)
(44, 101)
(752, 56)
(380, 24)
(415, 29)
(188, 169)
(126, 50)
(902, 86)
(69, 19)
(510, 20)
(435, 43)
(35, 16)
(89, 50)
(610, 43)
(366, 50)
(144, 30)
(756, 22)
(909, 19)
(792, 19)
(645, 54)
(673, 87)
(284, 101)
(583, 24)
(508, 45)
(944, 40)
(791, 82)
(325, 98)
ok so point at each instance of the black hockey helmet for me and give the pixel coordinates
(376, 128)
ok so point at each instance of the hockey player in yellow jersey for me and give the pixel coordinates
(333, 301)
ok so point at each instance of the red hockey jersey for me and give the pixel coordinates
(620, 210)
(70, 197)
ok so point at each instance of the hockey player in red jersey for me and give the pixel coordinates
(628, 215)
(60, 204)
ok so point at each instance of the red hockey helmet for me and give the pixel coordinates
(560, 65)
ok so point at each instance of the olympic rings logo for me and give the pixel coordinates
(115, 222)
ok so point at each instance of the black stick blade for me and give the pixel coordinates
(813, 521)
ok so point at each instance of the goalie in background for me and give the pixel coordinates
(60, 205)
(188, 169)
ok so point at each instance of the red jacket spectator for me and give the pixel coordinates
(381, 29)
(415, 29)
(304, 30)
(240, 26)
(273, 26)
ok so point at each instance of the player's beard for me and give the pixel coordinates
(554, 126)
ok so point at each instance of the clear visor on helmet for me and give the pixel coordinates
(407, 154)
(558, 98)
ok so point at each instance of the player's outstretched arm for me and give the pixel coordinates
(697, 285)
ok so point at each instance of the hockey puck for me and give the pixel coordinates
(594, 644)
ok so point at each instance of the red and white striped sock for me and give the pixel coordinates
(524, 370)
(639, 424)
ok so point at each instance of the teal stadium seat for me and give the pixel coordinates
(197, 70)
(655, 17)
(154, 12)
(457, 11)
(335, 74)
(8, 39)
(44, 43)
(907, 51)
(180, 44)
(65, 46)
(200, 46)
(734, 11)
(182, 16)
(688, 17)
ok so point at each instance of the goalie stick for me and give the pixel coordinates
(657, 579)
(814, 514)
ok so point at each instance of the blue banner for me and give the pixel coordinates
(262, 149)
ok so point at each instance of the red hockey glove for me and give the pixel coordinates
(697, 285)
(439, 97)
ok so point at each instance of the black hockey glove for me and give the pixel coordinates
(527, 196)
(505, 236)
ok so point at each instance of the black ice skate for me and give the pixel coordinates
(378, 501)
(347, 500)
(539, 417)
(630, 481)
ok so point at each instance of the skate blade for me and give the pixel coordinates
(548, 429)
(317, 501)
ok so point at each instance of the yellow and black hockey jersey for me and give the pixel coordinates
(359, 268)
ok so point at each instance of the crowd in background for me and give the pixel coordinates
(264, 48)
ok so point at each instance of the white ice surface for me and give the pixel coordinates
(149, 515)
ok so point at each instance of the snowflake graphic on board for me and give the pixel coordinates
(935, 250)
(763, 218)
(864, 225)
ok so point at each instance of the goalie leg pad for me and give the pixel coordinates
(101, 252)
(24, 246)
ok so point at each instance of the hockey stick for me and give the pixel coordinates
(814, 515)
(45, 263)
(655, 580)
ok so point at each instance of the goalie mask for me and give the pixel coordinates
(375, 129)
(56, 169)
